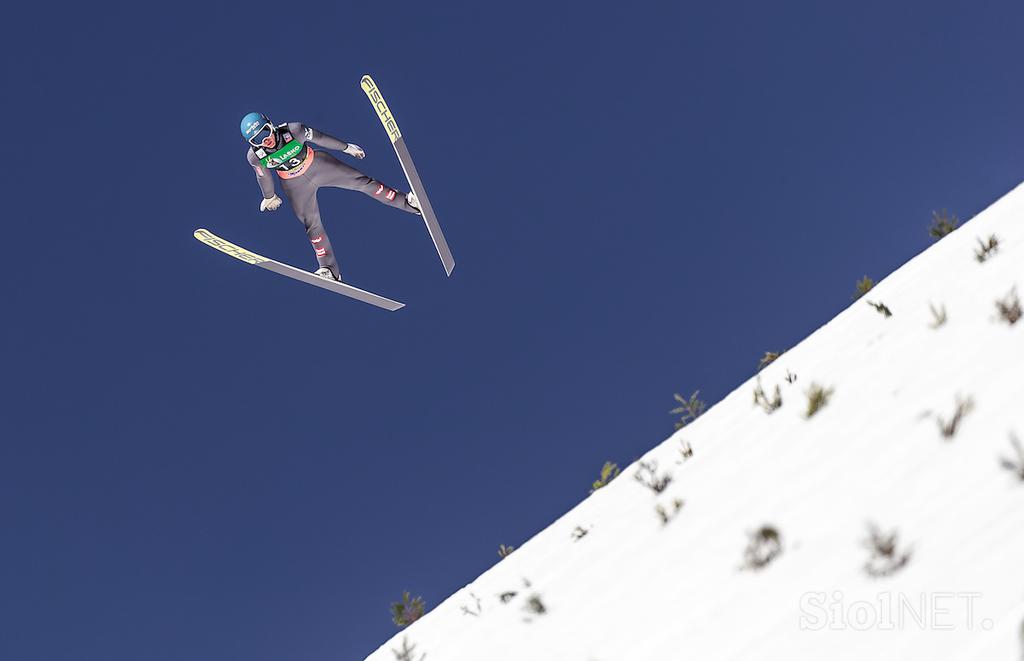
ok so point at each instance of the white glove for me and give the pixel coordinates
(355, 150)
(271, 204)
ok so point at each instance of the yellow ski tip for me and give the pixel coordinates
(228, 248)
(381, 107)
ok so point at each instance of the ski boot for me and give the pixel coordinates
(413, 202)
(326, 274)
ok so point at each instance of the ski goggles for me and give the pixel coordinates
(266, 136)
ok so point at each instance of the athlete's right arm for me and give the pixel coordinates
(270, 199)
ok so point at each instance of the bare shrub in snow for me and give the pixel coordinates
(474, 611)
(882, 308)
(688, 409)
(505, 551)
(578, 533)
(1009, 307)
(963, 407)
(407, 653)
(407, 611)
(942, 224)
(986, 248)
(768, 405)
(647, 475)
(885, 559)
(609, 472)
(686, 452)
(768, 358)
(1016, 464)
(938, 316)
(817, 398)
(667, 515)
(535, 605)
(790, 377)
(763, 546)
(864, 285)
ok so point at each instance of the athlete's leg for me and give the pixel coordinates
(329, 171)
(302, 196)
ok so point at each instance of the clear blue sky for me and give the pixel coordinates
(202, 460)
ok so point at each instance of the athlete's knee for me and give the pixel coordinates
(311, 222)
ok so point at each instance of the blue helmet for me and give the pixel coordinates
(254, 125)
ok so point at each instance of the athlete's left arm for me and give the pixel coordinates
(328, 141)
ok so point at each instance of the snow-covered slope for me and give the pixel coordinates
(635, 588)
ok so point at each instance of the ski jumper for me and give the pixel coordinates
(304, 171)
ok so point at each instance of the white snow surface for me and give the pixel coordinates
(634, 588)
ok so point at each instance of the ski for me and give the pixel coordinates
(228, 248)
(411, 175)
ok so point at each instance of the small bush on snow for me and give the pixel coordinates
(407, 611)
(768, 405)
(535, 605)
(882, 309)
(986, 249)
(763, 546)
(768, 358)
(885, 558)
(949, 428)
(943, 224)
(647, 475)
(688, 409)
(685, 452)
(1009, 307)
(938, 316)
(817, 398)
(1016, 464)
(407, 653)
(864, 285)
(667, 515)
(609, 472)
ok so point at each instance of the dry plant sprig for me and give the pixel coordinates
(407, 653)
(963, 407)
(666, 515)
(943, 224)
(688, 409)
(475, 612)
(686, 452)
(768, 358)
(768, 405)
(1016, 464)
(535, 605)
(763, 546)
(864, 285)
(647, 475)
(882, 308)
(1009, 308)
(986, 248)
(884, 559)
(609, 472)
(817, 398)
(407, 611)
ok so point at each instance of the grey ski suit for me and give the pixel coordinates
(319, 168)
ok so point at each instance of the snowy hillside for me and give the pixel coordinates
(764, 554)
